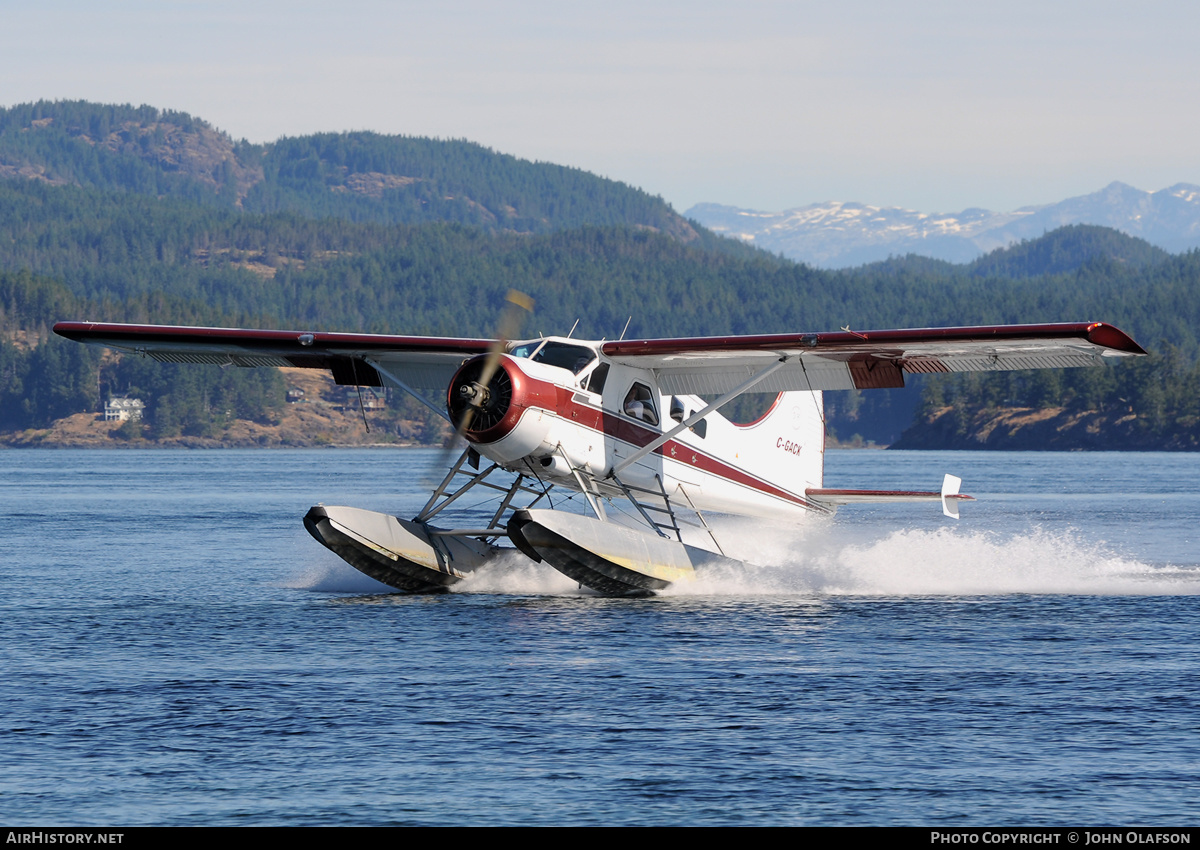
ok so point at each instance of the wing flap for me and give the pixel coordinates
(716, 379)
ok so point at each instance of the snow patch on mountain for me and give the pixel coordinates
(838, 234)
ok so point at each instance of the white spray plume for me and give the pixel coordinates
(827, 558)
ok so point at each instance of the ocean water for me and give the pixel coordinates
(177, 650)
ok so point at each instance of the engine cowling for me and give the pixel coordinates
(508, 422)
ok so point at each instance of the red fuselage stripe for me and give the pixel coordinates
(607, 424)
(535, 394)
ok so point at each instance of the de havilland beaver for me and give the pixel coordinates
(622, 422)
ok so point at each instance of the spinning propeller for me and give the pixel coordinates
(481, 391)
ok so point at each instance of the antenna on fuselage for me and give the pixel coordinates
(627, 321)
(573, 327)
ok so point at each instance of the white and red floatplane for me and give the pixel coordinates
(623, 423)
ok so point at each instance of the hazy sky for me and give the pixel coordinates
(936, 106)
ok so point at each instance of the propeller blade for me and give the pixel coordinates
(517, 306)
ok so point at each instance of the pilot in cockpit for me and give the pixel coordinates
(638, 405)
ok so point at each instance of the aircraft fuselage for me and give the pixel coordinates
(573, 413)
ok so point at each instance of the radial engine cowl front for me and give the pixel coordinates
(506, 415)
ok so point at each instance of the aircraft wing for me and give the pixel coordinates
(848, 359)
(407, 362)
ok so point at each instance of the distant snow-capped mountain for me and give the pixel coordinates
(837, 234)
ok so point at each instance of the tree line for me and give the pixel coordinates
(116, 249)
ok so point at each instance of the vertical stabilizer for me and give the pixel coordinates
(786, 446)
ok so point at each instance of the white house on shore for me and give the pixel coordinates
(123, 409)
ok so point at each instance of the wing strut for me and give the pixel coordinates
(357, 386)
(440, 410)
(698, 415)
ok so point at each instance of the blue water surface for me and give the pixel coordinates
(177, 650)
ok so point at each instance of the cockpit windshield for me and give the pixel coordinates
(565, 356)
(525, 350)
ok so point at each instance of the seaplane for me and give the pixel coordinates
(633, 427)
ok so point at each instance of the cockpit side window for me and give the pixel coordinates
(595, 381)
(565, 356)
(639, 404)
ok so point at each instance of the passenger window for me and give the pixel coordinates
(639, 405)
(680, 413)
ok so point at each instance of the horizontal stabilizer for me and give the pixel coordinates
(948, 496)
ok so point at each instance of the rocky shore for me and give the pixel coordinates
(1045, 429)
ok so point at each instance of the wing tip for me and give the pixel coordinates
(1110, 336)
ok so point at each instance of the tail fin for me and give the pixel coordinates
(786, 445)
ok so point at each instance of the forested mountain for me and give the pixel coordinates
(363, 177)
(1068, 249)
(117, 236)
